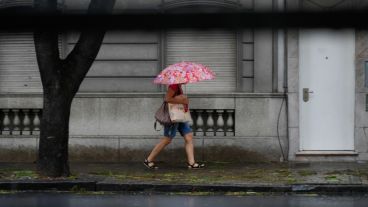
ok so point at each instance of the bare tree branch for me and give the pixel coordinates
(46, 45)
(88, 45)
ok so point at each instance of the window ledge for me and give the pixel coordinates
(326, 153)
(151, 95)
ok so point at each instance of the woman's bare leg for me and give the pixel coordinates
(189, 148)
(157, 149)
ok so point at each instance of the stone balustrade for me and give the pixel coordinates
(206, 122)
(213, 122)
(20, 121)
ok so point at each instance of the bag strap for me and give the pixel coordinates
(155, 126)
(155, 123)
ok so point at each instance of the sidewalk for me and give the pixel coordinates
(217, 176)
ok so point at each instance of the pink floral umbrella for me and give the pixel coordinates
(184, 72)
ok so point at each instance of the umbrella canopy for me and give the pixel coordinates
(184, 72)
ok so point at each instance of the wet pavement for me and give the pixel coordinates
(167, 200)
(215, 173)
(337, 177)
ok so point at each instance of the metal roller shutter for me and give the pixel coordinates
(15, 3)
(213, 48)
(18, 64)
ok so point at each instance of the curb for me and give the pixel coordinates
(47, 185)
(151, 187)
(306, 188)
(189, 188)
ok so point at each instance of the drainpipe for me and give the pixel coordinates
(280, 55)
(284, 2)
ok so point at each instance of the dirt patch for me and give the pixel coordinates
(307, 172)
(210, 154)
(80, 153)
(22, 154)
(214, 173)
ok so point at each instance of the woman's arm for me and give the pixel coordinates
(180, 99)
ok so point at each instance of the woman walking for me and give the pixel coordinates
(175, 75)
(175, 95)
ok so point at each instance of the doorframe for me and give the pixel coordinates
(292, 68)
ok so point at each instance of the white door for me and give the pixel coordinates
(327, 69)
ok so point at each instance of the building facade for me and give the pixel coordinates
(296, 94)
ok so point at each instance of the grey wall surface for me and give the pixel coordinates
(120, 128)
(326, 5)
(127, 61)
(263, 61)
(293, 90)
(247, 60)
(112, 115)
(135, 115)
(82, 5)
(361, 91)
(318, 5)
(148, 5)
(263, 52)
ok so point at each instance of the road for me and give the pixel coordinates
(173, 200)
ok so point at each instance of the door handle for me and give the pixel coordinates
(306, 93)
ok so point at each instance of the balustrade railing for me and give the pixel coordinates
(206, 122)
(213, 122)
(20, 121)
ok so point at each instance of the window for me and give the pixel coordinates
(18, 64)
(213, 48)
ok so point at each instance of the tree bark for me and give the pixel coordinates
(61, 80)
(53, 146)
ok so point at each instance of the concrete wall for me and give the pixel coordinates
(127, 61)
(361, 91)
(82, 5)
(325, 5)
(112, 116)
(120, 128)
(143, 5)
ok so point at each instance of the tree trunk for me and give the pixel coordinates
(61, 80)
(53, 152)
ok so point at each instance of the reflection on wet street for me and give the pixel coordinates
(173, 200)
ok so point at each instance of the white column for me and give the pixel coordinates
(210, 124)
(6, 122)
(191, 122)
(199, 123)
(220, 123)
(26, 123)
(36, 122)
(230, 123)
(16, 122)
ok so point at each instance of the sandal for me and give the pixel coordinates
(195, 166)
(150, 164)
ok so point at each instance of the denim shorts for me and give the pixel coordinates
(183, 128)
